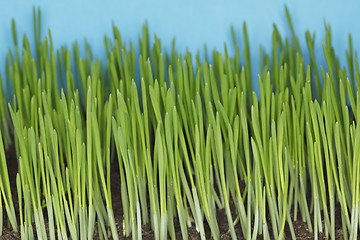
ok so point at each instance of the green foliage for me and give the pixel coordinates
(190, 137)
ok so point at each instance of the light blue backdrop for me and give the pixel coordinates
(193, 23)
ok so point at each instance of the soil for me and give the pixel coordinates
(300, 227)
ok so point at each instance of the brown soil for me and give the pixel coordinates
(301, 230)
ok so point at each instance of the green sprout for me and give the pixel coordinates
(188, 138)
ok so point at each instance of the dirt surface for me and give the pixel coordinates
(300, 227)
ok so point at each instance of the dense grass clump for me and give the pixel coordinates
(189, 136)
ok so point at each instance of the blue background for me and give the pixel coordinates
(193, 23)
